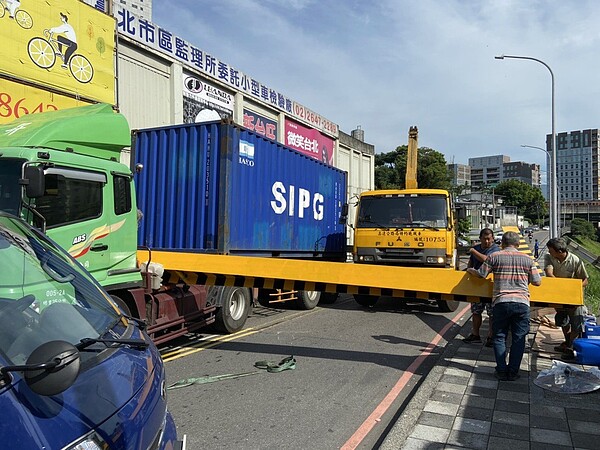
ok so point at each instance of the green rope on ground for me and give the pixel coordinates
(288, 363)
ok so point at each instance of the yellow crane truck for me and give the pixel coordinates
(406, 227)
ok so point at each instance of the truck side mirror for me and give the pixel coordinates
(344, 214)
(34, 181)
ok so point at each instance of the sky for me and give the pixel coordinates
(386, 65)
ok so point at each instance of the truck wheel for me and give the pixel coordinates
(368, 301)
(447, 306)
(328, 298)
(308, 299)
(234, 310)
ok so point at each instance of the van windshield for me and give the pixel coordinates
(45, 295)
(403, 211)
(10, 190)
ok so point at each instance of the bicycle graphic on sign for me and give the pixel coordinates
(44, 52)
(22, 17)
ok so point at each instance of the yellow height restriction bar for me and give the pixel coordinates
(290, 274)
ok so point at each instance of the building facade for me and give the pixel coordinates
(460, 174)
(488, 171)
(577, 169)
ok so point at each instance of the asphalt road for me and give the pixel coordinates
(356, 369)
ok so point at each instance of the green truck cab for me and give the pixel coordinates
(60, 171)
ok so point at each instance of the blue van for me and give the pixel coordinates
(75, 372)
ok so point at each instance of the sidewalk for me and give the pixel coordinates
(462, 405)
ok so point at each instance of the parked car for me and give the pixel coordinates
(498, 237)
(545, 228)
(462, 242)
(76, 373)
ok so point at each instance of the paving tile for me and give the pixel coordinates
(550, 411)
(481, 392)
(510, 431)
(463, 439)
(513, 387)
(483, 383)
(436, 420)
(432, 434)
(510, 406)
(458, 371)
(478, 402)
(441, 408)
(579, 426)
(589, 415)
(461, 362)
(488, 357)
(446, 397)
(510, 418)
(418, 444)
(553, 437)
(513, 396)
(551, 423)
(451, 387)
(583, 440)
(473, 412)
(542, 446)
(500, 443)
(471, 425)
(454, 379)
(485, 364)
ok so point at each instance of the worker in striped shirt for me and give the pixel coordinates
(513, 272)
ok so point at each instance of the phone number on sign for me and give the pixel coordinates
(315, 119)
(16, 109)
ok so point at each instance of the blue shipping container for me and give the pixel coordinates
(216, 187)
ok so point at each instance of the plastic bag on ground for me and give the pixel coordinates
(567, 379)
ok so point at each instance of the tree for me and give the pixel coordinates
(463, 226)
(583, 228)
(390, 169)
(528, 200)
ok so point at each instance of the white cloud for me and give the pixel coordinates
(390, 64)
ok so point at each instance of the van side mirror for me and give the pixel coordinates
(34, 181)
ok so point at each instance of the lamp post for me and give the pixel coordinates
(553, 184)
(549, 158)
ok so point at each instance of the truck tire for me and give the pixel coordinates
(447, 306)
(368, 301)
(234, 310)
(308, 299)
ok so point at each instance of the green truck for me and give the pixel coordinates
(61, 172)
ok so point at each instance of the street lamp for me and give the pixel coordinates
(549, 156)
(553, 184)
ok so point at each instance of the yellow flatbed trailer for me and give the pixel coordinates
(349, 278)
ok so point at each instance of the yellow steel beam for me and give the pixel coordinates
(444, 284)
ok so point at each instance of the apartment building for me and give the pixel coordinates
(577, 171)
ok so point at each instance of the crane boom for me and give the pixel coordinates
(411, 159)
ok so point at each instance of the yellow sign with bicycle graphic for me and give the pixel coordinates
(63, 44)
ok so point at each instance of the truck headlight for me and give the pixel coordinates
(90, 441)
(368, 258)
(435, 260)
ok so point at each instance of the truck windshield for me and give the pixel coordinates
(10, 190)
(45, 295)
(425, 211)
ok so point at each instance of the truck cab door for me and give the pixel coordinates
(73, 206)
